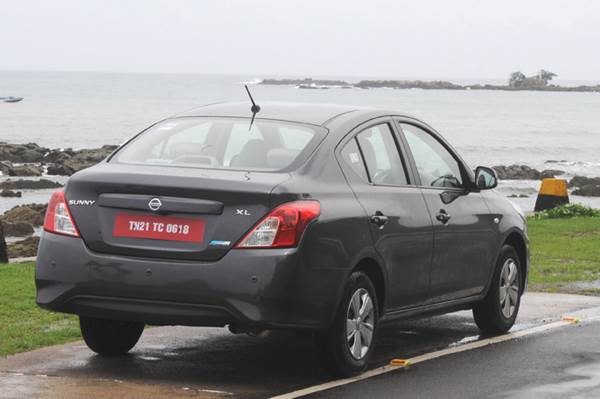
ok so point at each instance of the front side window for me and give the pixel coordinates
(221, 143)
(381, 156)
(435, 164)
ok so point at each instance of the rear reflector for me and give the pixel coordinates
(283, 227)
(58, 218)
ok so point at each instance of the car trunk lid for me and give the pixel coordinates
(167, 212)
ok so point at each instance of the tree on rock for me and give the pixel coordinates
(545, 76)
(516, 79)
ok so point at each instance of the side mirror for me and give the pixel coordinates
(485, 178)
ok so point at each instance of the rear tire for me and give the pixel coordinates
(349, 343)
(498, 311)
(110, 337)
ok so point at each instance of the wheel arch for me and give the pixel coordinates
(518, 242)
(373, 270)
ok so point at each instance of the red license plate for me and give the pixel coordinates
(158, 227)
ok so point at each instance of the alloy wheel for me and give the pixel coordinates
(360, 320)
(509, 288)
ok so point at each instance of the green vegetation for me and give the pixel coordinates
(518, 79)
(23, 325)
(565, 251)
(568, 211)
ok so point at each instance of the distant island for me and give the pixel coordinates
(516, 82)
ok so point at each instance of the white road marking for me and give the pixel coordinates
(428, 356)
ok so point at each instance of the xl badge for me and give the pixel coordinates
(242, 212)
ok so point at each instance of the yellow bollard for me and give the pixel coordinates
(553, 193)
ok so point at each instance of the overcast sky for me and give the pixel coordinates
(395, 38)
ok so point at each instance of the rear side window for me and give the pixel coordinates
(381, 155)
(221, 143)
(351, 155)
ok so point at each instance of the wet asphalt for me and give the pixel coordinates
(564, 363)
(182, 362)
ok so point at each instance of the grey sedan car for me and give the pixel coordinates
(323, 218)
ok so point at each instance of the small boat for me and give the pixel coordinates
(11, 99)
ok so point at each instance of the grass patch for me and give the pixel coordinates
(564, 251)
(23, 325)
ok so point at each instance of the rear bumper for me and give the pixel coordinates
(250, 288)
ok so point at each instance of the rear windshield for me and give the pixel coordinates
(221, 143)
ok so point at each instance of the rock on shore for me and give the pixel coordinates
(10, 193)
(517, 172)
(59, 162)
(24, 248)
(68, 162)
(585, 186)
(32, 214)
(551, 173)
(524, 172)
(17, 229)
(22, 184)
(20, 222)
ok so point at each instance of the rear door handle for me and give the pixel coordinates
(443, 216)
(379, 219)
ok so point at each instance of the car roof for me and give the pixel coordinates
(316, 114)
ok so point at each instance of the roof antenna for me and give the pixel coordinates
(255, 107)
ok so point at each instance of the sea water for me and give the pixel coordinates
(86, 110)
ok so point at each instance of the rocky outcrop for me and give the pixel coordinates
(591, 190)
(7, 168)
(17, 229)
(22, 184)
(551, 173)
(527, 85)
(26, 170)
(10, 193)
(32, 214)
(22, 153)
(517, 172)
(580, 181)
(585, 186)
(24, 248)
(59, 162)
(409, 84)
(68, 162)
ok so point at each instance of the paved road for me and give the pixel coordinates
(211, 363)
(563, 363)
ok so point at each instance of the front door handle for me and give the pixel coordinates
(379, 219)
(443, 216)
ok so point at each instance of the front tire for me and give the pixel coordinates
(110, 337)
(498, 311)
(349, 343)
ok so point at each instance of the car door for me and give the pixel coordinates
(397, 215)
(463, 226)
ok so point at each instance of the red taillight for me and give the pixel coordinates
(58, 218)
(283, 227)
